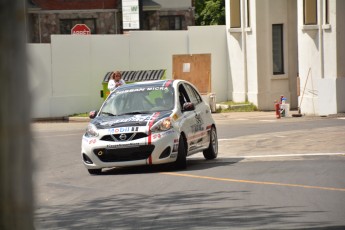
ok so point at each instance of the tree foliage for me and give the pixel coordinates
(210, 12)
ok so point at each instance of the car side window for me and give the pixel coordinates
(194, 96)
(183, 95)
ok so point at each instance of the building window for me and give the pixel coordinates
(66, 25)
(170, 23)
(248, 13)
(310, 12)
(235, 14)
(327, 12)
(277, 49)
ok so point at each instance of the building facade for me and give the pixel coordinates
(168, 15)
(103, 17)
(290, 48)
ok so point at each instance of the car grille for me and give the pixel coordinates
(124, 154)
(128, 137)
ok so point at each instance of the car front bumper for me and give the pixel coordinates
(157, 148)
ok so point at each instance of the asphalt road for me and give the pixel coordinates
(270, 174)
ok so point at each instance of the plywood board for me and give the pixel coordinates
(195, 68)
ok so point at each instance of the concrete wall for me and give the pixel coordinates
(66, 75)
(39, 67)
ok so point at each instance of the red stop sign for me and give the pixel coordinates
(80, 29)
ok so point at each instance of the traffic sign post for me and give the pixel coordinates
(80, 29)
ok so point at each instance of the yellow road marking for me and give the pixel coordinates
(253, 182)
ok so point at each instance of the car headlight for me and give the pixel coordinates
(162, 125)
(91, 131)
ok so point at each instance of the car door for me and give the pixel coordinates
(198, 122)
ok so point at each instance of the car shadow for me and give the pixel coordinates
(193, 164)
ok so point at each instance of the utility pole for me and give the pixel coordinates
(16, 193)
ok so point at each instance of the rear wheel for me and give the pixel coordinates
(95, 171)
(181, 160)
(212, 151)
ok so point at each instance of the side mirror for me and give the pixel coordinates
(93, 114)
(188, 106)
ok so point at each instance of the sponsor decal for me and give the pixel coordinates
(156, 136)
(130, 90)
(136, 118)
(168, 83)
(175, 146)
(197, 136)
(175, 116)
(123, 130)
(160, 88)
(119, 146)
(92, 141)
(161, 135)
(196, 128)
(198, 119)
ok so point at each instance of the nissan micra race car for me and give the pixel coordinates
(146, 123)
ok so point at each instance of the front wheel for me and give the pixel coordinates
(212, 151)
(181, 160)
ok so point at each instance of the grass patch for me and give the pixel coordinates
(80, 115)
(230, 106)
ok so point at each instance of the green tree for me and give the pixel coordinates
(210, 12)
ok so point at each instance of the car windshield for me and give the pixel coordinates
(138, 100)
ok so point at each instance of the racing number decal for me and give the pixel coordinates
(197, 131)
(198, 125)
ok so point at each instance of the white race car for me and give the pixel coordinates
(145, 123)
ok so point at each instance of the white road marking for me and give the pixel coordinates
(286, 155)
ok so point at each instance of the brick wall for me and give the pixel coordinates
(76, 4)
(45, 24)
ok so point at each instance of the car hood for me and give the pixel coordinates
(145, 119)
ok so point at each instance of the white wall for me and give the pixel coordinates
(154, 49)
(321, 54)
(40, 79)
(66, 76)
(202, 40)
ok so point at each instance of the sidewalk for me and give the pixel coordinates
(244, 115)
(255, 115)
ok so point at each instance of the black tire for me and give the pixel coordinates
(181, 160)
(95, 171)
(212, 151)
